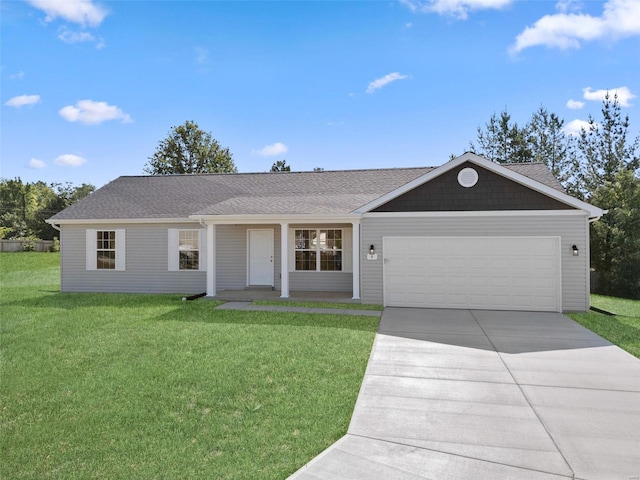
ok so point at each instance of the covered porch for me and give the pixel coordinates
(261, 294)
(259, 257)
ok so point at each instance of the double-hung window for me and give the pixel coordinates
(186, 249)
(318, 249)
(105, 249)
(189, 249)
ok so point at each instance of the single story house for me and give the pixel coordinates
(468, 234)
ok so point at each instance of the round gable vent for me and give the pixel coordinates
(467, 177)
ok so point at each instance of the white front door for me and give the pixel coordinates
(260, 255)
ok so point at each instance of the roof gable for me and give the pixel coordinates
(492, 192)
(510, 173)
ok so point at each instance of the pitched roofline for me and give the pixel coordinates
(85, 221)
(592, 210)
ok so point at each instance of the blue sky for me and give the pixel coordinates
(89, 88)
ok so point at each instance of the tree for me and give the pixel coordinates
(609, 163)
(503, 141)
(603, 148)
(280, 166)
(188, 149)
(24, 207)
(615, 238)
(550, 145)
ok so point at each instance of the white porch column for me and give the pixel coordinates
(284, 260)
(356, 260)
(211, 260)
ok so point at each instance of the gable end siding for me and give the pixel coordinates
(492, 192)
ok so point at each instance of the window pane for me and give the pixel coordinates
(305, 260)
(189, 239)
(189, 260)
(106, 260)
(331, 261)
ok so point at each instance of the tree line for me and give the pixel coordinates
(600, 165)
(24, 207)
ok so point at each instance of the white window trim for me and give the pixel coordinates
(173, 253)
(92, 249)
(344, 250)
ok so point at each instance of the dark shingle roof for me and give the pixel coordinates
(326, 192)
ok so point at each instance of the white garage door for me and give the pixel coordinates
(496, 273)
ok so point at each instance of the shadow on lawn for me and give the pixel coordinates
(243, 317)
(171, 308)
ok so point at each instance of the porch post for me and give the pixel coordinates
(356, 259)
(284, 260)
(211, 260)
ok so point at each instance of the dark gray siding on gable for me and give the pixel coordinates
(492, 192)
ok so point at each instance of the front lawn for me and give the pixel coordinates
(623, 329)
(147, 386)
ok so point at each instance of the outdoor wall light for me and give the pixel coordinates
(575, 250)
(372, 250)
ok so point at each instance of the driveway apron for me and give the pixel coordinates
(489, 394)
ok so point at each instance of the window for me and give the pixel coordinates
(105, 249)
(318, 250)
(186, 249)
(189, 249)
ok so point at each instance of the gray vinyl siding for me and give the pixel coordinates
(146, 271)
(571, 228)
(321, 281)
(231, 258)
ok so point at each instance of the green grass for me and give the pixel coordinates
(623, 329)
(350, 306)
(121, 386)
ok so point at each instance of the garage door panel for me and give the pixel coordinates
(473, 272)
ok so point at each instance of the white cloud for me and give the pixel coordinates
(619, 19)
(35, 163)
(69, 160)
(69, 36)
(386, 80)
(456, 8)
(271, 150)
(83, 12)
(17, 76)
(408, 25)
(22, 100)
(92, 113)
(575, 104)
(624, 95)
(575, 126)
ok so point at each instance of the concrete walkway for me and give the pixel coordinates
(284, 308)
(456, 394)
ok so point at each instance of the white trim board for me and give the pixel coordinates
(479, 213)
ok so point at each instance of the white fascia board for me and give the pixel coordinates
(496, 168)
(480, 213)
(274, 219)
(93, 221)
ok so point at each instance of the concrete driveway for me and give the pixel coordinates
(477, 394)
